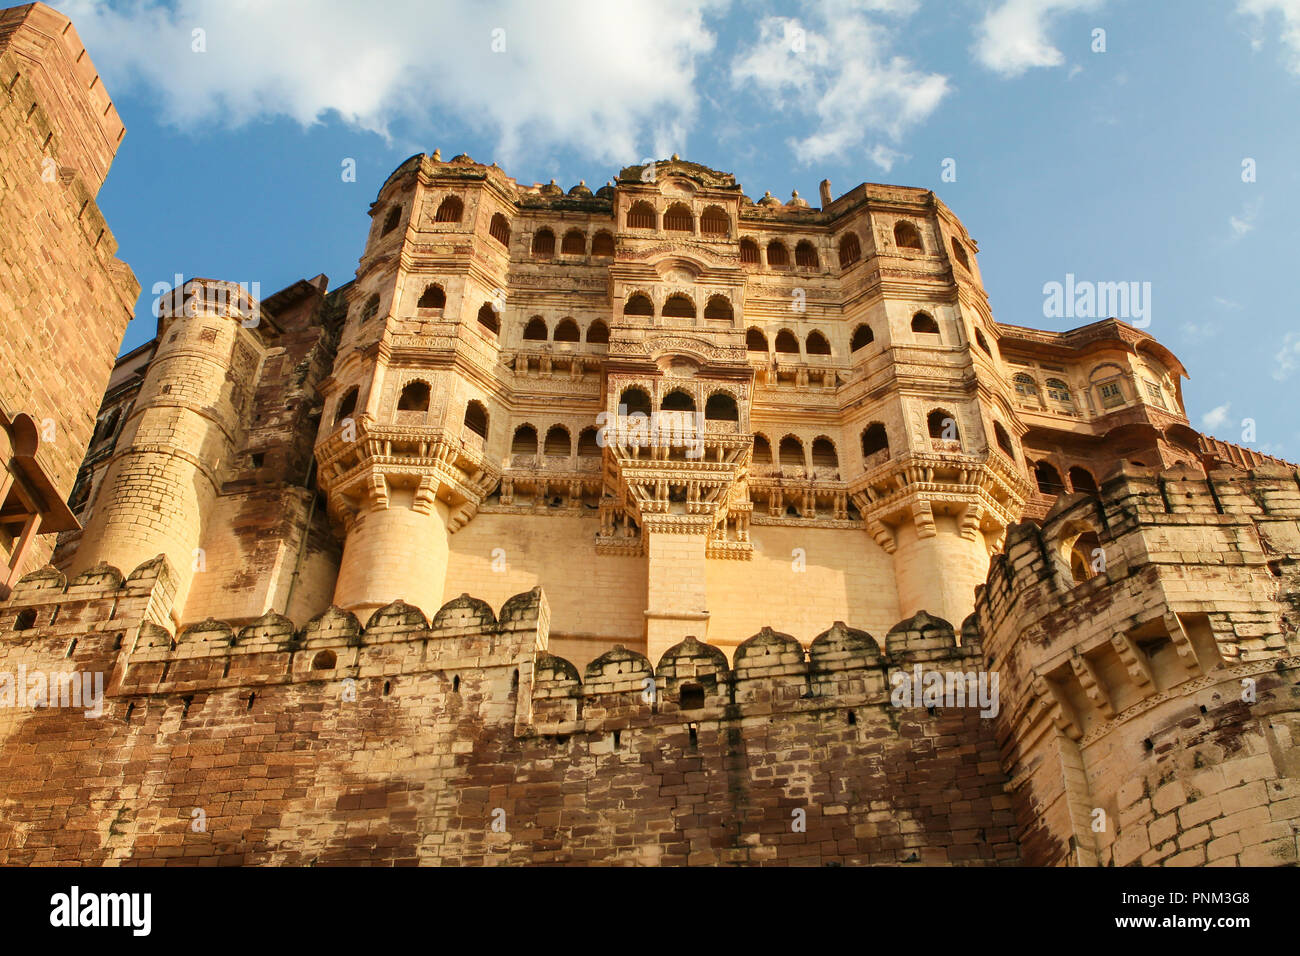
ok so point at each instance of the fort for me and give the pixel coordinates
(389, 576)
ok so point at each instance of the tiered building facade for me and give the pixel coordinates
(663, 427)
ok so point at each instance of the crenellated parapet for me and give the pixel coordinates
(1146, 639)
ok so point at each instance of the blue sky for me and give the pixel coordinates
(1117, 165)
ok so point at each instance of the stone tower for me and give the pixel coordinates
(65, 299)
(178, 439)
(402, 452)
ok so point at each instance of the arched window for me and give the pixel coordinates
(678, 401)
(432, 297)
(575, 243)
(1059, 391)
(1025, 385)
(715, 222)
(791, 451)
(544, 243)
(598, 333)
(500, 230)
(371, 308)
(634, 400)
(907, 236)
(862, 336)
(1003, 439)
(805, 255)
(816, 344)
(1081, 480)
(450, 210)
(721, 407)
(679, 218)
(1084, 557)
(983, 343)
(1106, 378)
(749, 252)
(823, 453)
(639, 304)
(786, 342)
(762, 450)
(535, 330)
(347, 405)
(414, 397)
(942, 425)
(755, 340)
(324, 661)
(718, 307)
(525, 441)
(850, 249)
(567, 331)
(924, 322)
(777, 256)
(679, 306)
(588, 445)
(641, 215)
(602, 245)
(391, 220)
(557, 444)
(1049, 479)
(487, 317)
(959, 253)
(875, 439)
(476, 419)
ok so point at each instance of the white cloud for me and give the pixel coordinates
(560, 79)
(1288, 357)
(1012, 37)
(1216, 417)
(1289, 12)
(840, 68)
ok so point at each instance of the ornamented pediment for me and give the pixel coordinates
(691, 346)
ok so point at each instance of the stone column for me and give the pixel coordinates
(677, 598)
(395, 548)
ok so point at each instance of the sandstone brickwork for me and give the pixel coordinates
(688, 451)
(1147, 646)
(404, 741)
(65, 298)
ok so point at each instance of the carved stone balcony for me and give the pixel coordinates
(985, 493)
(358, 464)
(678, 473)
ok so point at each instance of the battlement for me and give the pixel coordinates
(122, 622)
(1146, 643)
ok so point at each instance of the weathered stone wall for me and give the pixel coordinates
(1152, 709)
(1147, 715)
(403, 742)
(65, 299)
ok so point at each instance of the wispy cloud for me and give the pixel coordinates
(1244, 222)
(1013, 35)
(1288, 357)
(531, 74)
(839, 67)
(1270, 14)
